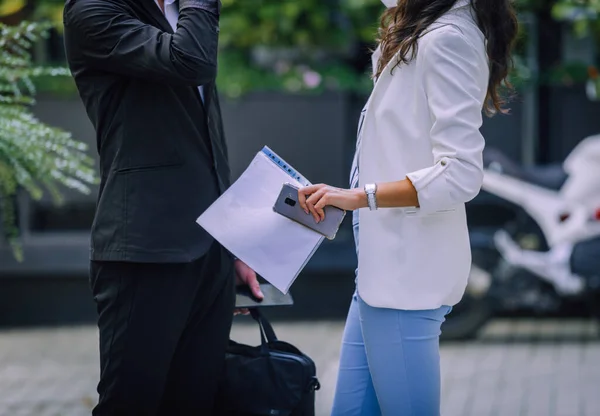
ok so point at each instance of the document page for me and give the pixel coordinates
(244, 222)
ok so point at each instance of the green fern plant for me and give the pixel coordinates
(33, 156)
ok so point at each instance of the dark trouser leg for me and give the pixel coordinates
(200, 356)
(146, 314)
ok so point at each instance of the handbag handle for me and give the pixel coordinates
(267, 334)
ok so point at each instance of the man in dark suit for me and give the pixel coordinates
(164, 289)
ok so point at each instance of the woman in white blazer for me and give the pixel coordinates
(418, 161)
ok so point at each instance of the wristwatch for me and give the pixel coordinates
(370, 190)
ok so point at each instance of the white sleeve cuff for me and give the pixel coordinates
(432, 187)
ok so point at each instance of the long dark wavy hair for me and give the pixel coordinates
(403, 25)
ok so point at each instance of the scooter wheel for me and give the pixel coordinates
(476, 307)
(466, 319)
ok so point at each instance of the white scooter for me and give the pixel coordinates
(511, 270)
(566, 217)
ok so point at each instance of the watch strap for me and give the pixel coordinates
(370, 190)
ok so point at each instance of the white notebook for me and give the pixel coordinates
(244, 222)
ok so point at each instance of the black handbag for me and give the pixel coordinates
(274, 378)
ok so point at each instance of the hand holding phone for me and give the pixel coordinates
(287, 205)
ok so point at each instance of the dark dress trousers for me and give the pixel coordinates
(163, 287)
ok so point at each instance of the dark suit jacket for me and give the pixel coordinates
(163, 158)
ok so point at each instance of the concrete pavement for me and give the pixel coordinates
(518, 367)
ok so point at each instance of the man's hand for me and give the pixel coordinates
(244, 275)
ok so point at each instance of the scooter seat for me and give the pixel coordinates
(585, 261)
(551, 176)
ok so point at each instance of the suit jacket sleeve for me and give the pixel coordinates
(455, 89)
(107, 37)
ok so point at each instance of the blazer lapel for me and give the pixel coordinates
(208, 93)
(154, 15)
(149, 11)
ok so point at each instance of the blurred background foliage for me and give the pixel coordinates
(318, 45)
(34, 156)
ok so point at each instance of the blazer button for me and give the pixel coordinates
(443, 163)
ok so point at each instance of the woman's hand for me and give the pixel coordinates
(313, 199)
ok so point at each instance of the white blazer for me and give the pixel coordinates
(422, 122)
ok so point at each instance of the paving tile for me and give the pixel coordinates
(539, 398)
(482, 396)
(456, 400)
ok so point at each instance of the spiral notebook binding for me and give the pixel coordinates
(286, 167)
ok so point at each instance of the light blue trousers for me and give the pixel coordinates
(390, 362)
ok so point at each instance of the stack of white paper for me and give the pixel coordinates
(244, 222)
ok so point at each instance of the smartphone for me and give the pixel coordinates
(287, 205)
(273, 297)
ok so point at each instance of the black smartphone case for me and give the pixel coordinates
(272, 297)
